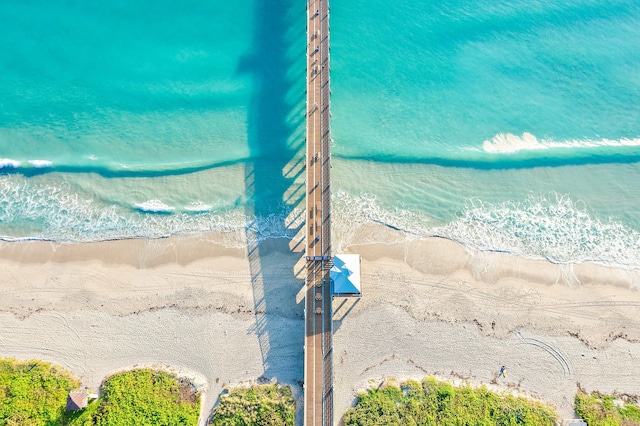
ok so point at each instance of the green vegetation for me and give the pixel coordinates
(438, 403)
(33, 393)
(142, 398)
(263, 405)
(606, 410)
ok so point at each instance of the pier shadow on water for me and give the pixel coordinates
(275, 183)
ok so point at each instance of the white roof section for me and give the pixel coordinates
(345, 274)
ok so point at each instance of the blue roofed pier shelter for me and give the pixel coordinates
(345, 276)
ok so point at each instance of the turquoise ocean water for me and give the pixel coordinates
(506, 125)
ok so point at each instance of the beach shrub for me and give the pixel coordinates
(263, 405)
(606, 410)
(143, 398)
(82, 417)
(33, 393)
(438, 403)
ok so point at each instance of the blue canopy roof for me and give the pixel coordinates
(345, 274)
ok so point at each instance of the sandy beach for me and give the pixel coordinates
(230, 316)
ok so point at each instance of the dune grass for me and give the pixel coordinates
(142, 398)
(607, 410)
(33, 393)
(439, 403)
(264, 405)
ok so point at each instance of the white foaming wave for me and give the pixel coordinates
(553, 227)
(351, 212)
(9, 163)
(198, 207)
(155, 206)
(40, 163)
(61, 213)
(275, 225)
(33, 210)
(507, 143)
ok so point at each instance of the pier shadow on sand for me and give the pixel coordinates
(275, 185)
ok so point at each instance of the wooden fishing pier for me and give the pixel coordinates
(318, 348)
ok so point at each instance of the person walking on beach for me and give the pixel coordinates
(503, 372)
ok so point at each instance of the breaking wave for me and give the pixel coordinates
(507, 143)
(552, 227)
(56, 212)
(155, 206)
(40, 163)
(9, 163)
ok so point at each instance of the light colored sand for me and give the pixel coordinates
(185, 304)
(549, 336)
(223, 317)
